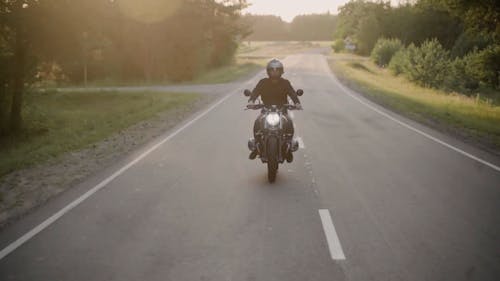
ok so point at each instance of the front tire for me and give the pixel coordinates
(272, 159)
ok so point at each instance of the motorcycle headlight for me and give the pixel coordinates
(273, 119)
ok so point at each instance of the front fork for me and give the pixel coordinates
(291, 144)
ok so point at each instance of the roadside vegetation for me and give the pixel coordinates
(451, 45)
(59, 122)
(223, 74)
(228, 73)
(260, 52)
(50, 42)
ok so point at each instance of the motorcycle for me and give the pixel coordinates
(274, 143)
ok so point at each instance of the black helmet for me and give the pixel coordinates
(274, 64)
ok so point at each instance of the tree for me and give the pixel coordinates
(124, 39)
(480, 15)
(369, 32)
(302, 28)
(314, 27)
(15, 23)
(362, 21)
(266, 27)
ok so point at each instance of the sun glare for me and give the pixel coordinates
(149, 11)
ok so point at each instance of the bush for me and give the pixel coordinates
(398, 60)
(459, 77)
(427, 65)
(384, 50)
(485, 65)
(477, 66)
(430, 65)
(338, 45)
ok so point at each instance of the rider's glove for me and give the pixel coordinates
(298, 106)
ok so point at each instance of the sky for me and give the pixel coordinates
(288, 9)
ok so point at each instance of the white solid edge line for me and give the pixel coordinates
(332, 238)
(493, 166)
(14, 245)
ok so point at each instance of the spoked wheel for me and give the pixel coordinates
(272, 159)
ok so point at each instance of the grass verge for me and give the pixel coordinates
(59, 122)
(227, 73)
(277, 49)
(472, 118)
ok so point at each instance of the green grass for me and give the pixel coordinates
(474, 117)
(59, 122)
(359, 66)
(228, 73)
(276, 49)
(223, 74)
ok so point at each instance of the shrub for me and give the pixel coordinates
(396, 65)
(477, 66)
(485, 65)
(384, 50)
(459, 77)
(338, 45)
(427, 65)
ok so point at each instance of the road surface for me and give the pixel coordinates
(369, 196)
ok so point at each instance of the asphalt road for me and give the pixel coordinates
(402, 205)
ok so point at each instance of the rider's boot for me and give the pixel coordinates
(294, 146)
(253, 148)
(252, 155)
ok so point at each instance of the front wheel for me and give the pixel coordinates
(272, 159)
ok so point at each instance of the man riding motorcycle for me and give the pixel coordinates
(274, 90)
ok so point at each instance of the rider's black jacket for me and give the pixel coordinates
(274, 92)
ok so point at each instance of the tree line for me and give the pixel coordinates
(74, 41)
(448, 44)
(312, 27)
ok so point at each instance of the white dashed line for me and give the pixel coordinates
(331, 235)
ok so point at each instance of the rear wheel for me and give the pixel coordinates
(272, 159)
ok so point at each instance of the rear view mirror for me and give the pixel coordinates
(300, 92)
(247, 93)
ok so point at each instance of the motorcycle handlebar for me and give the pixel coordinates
(259, 106)
(255, 106)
